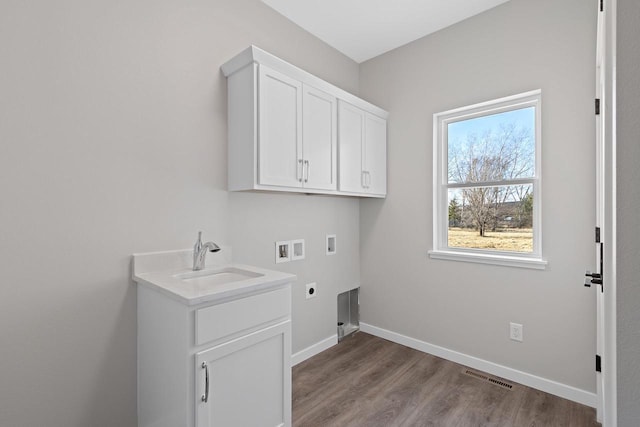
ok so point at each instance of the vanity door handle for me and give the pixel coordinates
(205, 396)
(307, 167)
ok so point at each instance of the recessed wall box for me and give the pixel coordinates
(297, 249)
(348, 313)
(331, 244)
(283, 251)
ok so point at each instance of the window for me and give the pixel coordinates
(487, 182)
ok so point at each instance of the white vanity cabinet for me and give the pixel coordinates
(214, 360)
(283, 129)
(227, 364)
(245, 379)
(362, 138)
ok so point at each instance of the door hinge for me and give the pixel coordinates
(598, 363)
(597, 106)
(597, 234)
(601, 5)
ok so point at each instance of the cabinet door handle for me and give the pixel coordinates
(205, 396)
(306, 176)
(366, 179)
(299, 170)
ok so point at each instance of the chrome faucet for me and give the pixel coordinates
(200, 252)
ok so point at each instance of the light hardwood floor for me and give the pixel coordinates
(368, 381)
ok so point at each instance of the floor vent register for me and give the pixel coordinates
(492, 380)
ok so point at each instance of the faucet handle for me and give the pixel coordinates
(197, 253)
(198, 245)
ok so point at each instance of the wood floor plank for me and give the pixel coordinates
(368, 381)
(339, 394)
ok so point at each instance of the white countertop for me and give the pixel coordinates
(161, 272)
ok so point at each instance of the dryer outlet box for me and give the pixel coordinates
(311, 290)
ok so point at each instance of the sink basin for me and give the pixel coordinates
(217, 276)
(170, 273)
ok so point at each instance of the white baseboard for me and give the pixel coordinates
(533, 381)
(314, 349)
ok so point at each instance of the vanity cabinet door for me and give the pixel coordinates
(247, 381)
(280, 129)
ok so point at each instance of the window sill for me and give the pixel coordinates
(483, 258)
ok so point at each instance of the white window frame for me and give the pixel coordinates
(441, 249)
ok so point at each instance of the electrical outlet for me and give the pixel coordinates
(515, 331)
(312, 290)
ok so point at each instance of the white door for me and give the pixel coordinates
(350, 145)
(598, 279)
(247, 381)
(279, 129)
(375, 155)
(319, 139)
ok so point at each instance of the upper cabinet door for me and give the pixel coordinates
(362, 147)
(350, 146)
(319, 139)
(375, 155)
(280, 129)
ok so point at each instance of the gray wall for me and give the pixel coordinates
(113, 141)
(518, 46)
(628, 220)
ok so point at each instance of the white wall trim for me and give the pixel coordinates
(533, 381)
(493, 259)
(314, 349)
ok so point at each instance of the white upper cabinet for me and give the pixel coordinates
(284, 129)
(362, 138)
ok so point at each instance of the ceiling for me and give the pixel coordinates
(363, 29)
